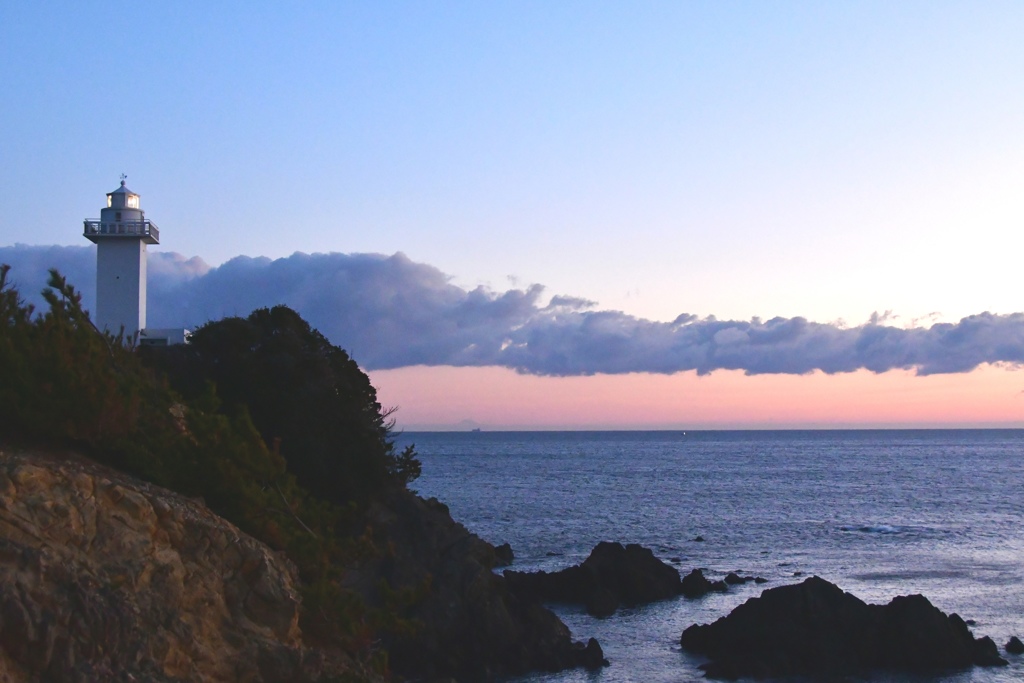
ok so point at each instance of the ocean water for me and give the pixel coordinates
(880, 513)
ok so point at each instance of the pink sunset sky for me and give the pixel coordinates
(497, 398)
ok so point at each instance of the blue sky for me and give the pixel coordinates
(824, 160)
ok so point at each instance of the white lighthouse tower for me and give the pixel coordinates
(121, 235)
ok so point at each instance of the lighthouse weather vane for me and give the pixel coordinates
(123, 178)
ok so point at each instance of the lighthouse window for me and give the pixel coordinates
(133, 202)
(117, 216)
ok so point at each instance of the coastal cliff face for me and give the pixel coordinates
(467, 623)
(107, 578)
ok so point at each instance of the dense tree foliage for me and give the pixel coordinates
(307, 397)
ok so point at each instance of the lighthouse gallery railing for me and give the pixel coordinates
(143, 228)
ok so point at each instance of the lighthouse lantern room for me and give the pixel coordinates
(121, 235)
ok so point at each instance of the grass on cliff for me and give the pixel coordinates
(275, 428)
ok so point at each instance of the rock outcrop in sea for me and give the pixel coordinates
(613, 575)
(106, 577)
(503, 555)
(815, 629)
(696, 585)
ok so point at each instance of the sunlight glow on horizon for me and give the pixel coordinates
(445, 398)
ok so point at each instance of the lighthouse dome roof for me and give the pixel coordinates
(122, 190)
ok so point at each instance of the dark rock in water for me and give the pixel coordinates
(591, 656)
(815, 629)
(985, 651)
(1014, 646)
(503, 555)
(798, 573)
(734, 579)
(633, 573)
(601, 602)
(971, 622)
(613, 575)
(699, 539)
(696, 585)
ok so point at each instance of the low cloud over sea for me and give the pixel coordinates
(391, 312)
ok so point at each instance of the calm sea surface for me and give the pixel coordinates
(880, 513)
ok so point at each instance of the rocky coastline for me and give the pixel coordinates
(812, 629)
(107, 577)
(472, 626)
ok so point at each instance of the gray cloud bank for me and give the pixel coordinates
(391, 312)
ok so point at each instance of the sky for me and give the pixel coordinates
(674, 215)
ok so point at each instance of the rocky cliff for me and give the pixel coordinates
(105, 577)
(467, 623)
